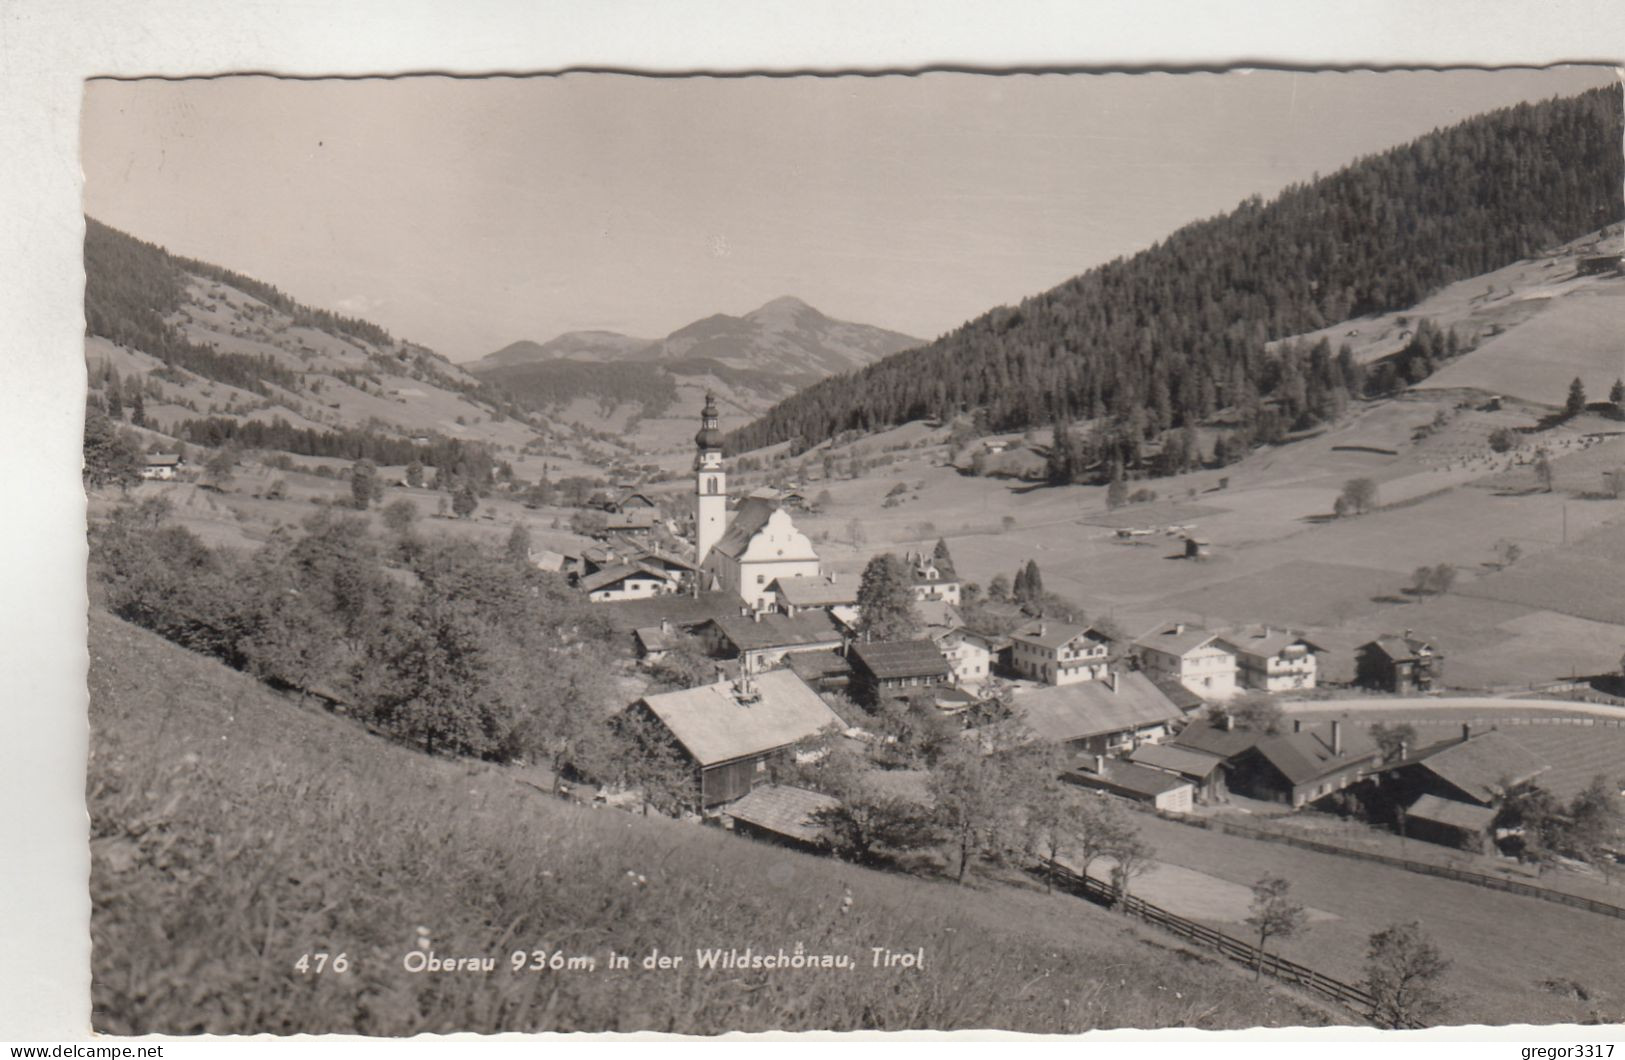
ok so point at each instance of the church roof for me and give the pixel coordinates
(753, 514)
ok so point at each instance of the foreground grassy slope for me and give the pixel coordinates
(233, 832)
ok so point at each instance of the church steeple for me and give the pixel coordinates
(710, 483)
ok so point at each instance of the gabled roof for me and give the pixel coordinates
(892, 659)
(1090, 708)
(1052, 635)
(783, 811)
(1182, 697)
(1178, 759)
(1216, 740)
(778, 631)
(806, 591)
(547, 559)
(1463, 815)
(1179, 639)
(619, 572)
(1125, 777)
(162, 459)
(1305, 756)
(653, 638)
(937, 613)
(715, 726)
(752, 515)
(813, 666)
(1265, 642)
(1400, 649)
(637, 519)
(636, 496)
(680, 609)
(1478, 765)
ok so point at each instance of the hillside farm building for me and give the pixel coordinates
(733, 733)
(1448, 792)
(1305, 765)
(161, 466)
(1098, 717)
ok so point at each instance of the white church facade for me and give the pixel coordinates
(760, 545)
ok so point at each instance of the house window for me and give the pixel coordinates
(760, 578)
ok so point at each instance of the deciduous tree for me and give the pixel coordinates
(1403, 974)
(886, 600)
(1273, 915)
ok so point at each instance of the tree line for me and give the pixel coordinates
(1179, 331)
(454, 458)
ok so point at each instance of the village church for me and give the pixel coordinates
(759, 546)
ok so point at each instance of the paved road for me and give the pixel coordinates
(1381, 705)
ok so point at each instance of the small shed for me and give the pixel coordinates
(1154, 787)
(1198, 548)
(1449, 822)
(781, 814)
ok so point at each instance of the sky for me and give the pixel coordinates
(466, 214)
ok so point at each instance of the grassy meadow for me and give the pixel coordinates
(233, 832)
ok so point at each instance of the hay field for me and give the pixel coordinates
(1503, 945)
(1580, 335)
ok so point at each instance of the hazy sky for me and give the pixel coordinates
(466, 214)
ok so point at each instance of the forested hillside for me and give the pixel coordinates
(1162, 340)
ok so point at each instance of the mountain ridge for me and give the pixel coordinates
(784, 335)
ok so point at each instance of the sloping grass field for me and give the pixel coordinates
(1503, 946)
(234, 833)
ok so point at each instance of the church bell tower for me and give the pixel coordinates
(710, 484)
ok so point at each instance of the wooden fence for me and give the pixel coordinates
(1447, 872)
(1351, 997)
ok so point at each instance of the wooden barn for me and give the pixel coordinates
(735, 732)
(888, 668)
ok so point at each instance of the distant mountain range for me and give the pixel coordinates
(647, 391)
(785, 337)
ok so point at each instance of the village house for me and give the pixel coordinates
(1200, 660)
(1154, 787)
(1204, 772)
(1398, 664)
(801, 593)
(930, 581)
(1057, 653)
(1305, 765)
(734, 733)
(969, 654)
(161, 466)
(1449, 792)
(888, 668)
(639, 522)
(633, 499)
(762, 639)
(1274, 660)
(626, 581)
(1113, 714)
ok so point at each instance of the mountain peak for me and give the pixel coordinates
(787, 302)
